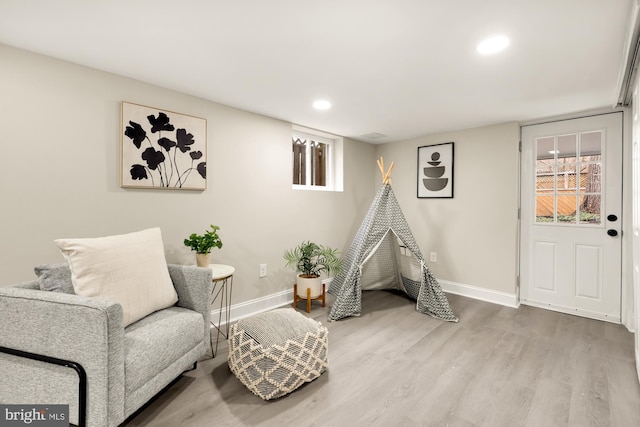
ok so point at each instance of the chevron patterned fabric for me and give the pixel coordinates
(276, 352)
(385, 255)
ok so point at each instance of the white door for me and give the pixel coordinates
(571, 207)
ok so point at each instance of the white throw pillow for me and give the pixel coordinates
(129, 269)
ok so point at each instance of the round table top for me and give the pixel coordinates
(221, 271)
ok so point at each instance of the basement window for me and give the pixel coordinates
(316, 161)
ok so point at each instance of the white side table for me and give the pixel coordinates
(222, 289)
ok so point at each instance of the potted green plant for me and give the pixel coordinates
(202, 244)
(310, 260)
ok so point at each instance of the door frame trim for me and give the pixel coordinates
(573, 116)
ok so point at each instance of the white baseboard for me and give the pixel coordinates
(282, 298)
(255, 306)
(259, 305)
(488, 295)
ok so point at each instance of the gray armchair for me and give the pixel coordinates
(125, 367)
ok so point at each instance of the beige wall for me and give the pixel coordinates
(475, 233)
(59, 177)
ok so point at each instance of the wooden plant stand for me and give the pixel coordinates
(321, 297)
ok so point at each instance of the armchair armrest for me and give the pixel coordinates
(193, 286)
(82, 377)
(33, 284)
(70, 327)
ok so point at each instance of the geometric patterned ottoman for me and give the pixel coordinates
(275, 352)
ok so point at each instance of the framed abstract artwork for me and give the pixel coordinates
(435, 171)
(162, 149)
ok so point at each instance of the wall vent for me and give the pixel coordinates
(373, 135)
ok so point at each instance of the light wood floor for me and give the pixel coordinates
(393, 366)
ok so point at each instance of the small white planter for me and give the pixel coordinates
(203, 260)
(313, 283)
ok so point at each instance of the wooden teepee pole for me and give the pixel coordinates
(386, 176)
(380, 162)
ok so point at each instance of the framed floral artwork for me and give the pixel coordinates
(162, 149)
(435, 171)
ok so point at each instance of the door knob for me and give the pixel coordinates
(612, 218)
(612, 233)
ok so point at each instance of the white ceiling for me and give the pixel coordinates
(396, 67)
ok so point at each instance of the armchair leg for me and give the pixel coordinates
(194, 367)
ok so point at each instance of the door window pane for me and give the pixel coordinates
(545, 177)
(569, 179)
(545, 148)
(567, 146)
(590, 209)
(544, 208)
(591, 144)
(566, 207)
(566, 178)
(591, 177)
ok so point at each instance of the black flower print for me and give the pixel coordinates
(163, 158)
(136, 133)
(166, 143)
(153, 157)
(138, 172)
(160, 123)
(184, 140)
(202, 169)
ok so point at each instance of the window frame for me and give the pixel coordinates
(333, 172)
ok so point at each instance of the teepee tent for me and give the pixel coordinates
(384, 255)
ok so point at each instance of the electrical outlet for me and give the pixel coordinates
(263, 270)
(433, 257)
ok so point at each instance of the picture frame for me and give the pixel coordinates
(435, 171)
(162, 149)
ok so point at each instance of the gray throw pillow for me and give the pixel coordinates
(55, 278)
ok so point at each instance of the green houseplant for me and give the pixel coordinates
(310, 260)
(202, 244)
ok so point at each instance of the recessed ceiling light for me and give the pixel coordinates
(493, 44)
(321, 104)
